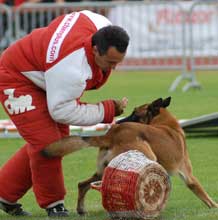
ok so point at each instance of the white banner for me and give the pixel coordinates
(160, 30)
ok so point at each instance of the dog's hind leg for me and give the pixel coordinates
(83, 188)
(194, 185)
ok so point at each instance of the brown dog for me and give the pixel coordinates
(151, 129)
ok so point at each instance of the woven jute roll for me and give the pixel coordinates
(134, 187)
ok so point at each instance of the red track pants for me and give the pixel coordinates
(26, 105)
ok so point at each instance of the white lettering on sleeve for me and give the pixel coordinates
(59, 35)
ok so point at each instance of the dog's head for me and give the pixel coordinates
(145, 113)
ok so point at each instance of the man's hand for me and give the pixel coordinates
(120, 105)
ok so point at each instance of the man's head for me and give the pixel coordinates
(109, 46)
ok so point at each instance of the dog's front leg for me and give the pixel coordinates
(193, 184)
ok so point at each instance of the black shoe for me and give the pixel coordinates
(13, 209)
(57, 211)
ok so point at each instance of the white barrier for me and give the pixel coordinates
(9, 130)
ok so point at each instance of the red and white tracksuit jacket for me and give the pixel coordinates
(42, 77)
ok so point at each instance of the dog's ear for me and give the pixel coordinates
(155, 106)
(166, 102)
(157, 102)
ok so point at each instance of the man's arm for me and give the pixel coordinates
(65, 83)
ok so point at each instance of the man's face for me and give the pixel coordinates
(109, 60)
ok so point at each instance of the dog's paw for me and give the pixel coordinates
(81, 211)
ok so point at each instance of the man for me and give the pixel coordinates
(42, 77)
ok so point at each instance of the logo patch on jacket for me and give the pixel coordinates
(17, 105)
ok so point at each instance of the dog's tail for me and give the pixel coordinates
(64, 146)
(71, 144)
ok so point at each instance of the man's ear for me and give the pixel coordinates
(95, 50)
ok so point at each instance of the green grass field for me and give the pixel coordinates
(140, 88)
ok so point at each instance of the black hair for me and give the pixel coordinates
(110, 36)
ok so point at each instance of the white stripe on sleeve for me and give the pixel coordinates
(59, 35)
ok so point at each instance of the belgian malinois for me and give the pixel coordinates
(151, 129)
